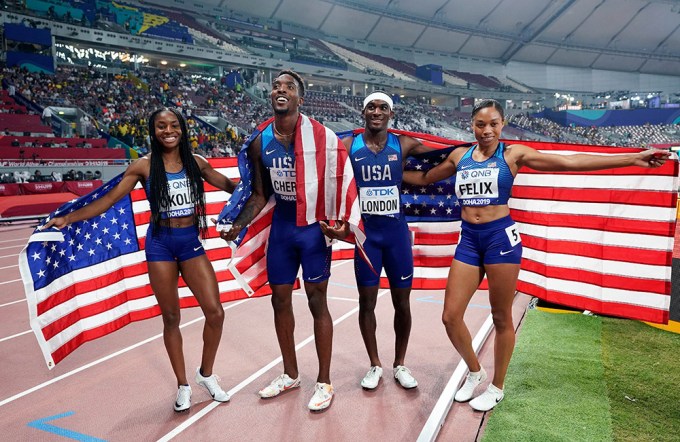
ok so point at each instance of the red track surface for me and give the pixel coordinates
(121, 387)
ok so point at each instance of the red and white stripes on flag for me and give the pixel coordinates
(325, 185)
(85, 303)
(599, 241)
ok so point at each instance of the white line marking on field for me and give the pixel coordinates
(105, 358)
(15, 336)
(204, 411)
(13, 302)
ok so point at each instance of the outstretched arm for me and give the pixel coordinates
(257, 200)
(133, 174)
(440, 172)
(411, 146)
(526, 156)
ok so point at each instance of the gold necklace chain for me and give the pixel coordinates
(282, 135)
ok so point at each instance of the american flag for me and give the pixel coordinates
(95, 280)
(325, 186)
(599, 241)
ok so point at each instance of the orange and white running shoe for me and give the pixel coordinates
(279, 385)
(323, 396)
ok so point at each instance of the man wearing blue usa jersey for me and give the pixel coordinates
(378, 158)
(290, 246)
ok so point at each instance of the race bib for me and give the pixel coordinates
(180, 199)
(379, 200)
(477, 185)
(283, 182)
(513, 235)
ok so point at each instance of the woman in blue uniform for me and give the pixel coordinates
(490, 242)
(378, 160)
(173, 180)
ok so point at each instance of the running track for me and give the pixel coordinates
(121, 387)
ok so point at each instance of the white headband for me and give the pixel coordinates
(378, 96)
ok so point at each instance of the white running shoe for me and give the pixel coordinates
(404, 377)
(473, 379)
(278, 386)
(487, 400)
(183, 401)
(372, 378)
(210, 384)
(323, 396)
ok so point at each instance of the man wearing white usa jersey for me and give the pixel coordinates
(378, 160)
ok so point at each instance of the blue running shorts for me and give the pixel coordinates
(496, 242)
(388, 244)
(292, 246)
(173, 244)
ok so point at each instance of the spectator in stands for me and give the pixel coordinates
(47, 116)
(173, 178)
(489, 240)
(388, 240)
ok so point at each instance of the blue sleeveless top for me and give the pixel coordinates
(179, 189)
(279, 160)
(378, 176)
(484, 183)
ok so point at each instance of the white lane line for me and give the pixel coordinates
(14, 247)
(333, 298)
(207, 409)
(7, 282)
(23, 240)
(15, 336)
(9, 267)
(9, 256)
(441, 409)
(106, 358)
(13, 302)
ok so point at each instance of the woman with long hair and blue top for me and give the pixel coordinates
(490, 242)
(173, 179)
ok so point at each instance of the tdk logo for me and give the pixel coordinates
(380, 192)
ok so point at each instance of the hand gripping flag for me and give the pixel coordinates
(95, 281)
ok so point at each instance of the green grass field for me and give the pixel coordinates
(587, 378)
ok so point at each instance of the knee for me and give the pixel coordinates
(402, 306)
(317, 305)
(171, 319)
(502, 320)
(215, 317)
(281, 304)
(451, 319)
(366, 305)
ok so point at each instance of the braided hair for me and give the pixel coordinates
(159, 196)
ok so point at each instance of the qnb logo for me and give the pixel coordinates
(465, 174)
(478, 173)
(380, 192)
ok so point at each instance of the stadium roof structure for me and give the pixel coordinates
(622, 35)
